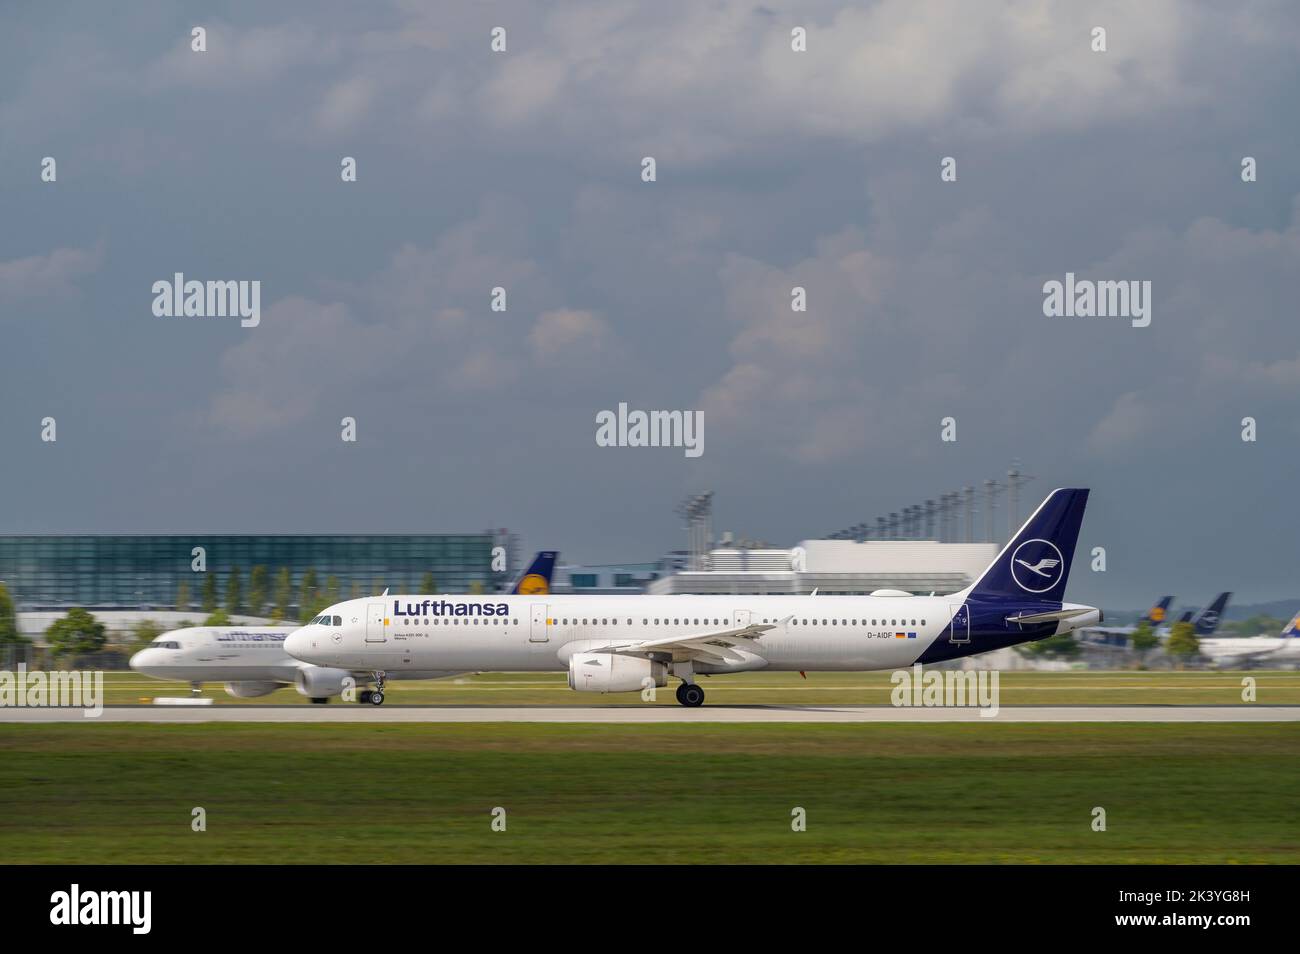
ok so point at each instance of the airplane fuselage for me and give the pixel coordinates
(515, 633)
(220, 654)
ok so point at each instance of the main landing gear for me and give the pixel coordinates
(690, 695)
(375, 696)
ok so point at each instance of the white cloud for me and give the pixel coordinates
(567, 336)
(421, 329)
(55, 273)
(241, 57)
(345, 103)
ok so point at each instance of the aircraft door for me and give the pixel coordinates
(375, 623)
(537, 632)
(959, 628)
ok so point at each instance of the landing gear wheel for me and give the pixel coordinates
(363, 697)
(690, 695)
(680, 687)
(377, 698)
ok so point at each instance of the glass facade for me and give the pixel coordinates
(127, 570)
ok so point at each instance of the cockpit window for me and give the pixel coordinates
(338, 620)
(166, 644)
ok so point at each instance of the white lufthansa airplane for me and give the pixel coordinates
(252, 662)
(1268, 650)
(628, 643)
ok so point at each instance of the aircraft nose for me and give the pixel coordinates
(298, 644)
(144, 659)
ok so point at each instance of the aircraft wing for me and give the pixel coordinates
(718, 646)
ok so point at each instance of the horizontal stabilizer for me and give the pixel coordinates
(1052, 616)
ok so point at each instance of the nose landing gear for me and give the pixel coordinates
(375, 696)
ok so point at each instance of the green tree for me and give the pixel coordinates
(234, 590)
(75, 634)
(1182, 643)
(1143, 640)
(283, 593)
(8, 618)
(476, 587)
(310, 589)
(427, 583)
(208, 602)
(1062, 646)
(313, 599)
(183, 595)
(332, 592)
(258, 582)
(217, 618)
(144, 633)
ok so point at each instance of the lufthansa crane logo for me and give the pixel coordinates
(1037, 565)
(533, 583)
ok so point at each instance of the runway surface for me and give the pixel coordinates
(652, 714)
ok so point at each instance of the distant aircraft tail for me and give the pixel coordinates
(1035, 564)
(1292, 630)
(1207, 621)
(1186, 617)
(1157, 614)
(537, 578)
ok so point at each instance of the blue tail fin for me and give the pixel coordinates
(1207, 621)
(1036, 563)
(537, 578)
(1186, 617)
(1157, 614)
(1292, 630)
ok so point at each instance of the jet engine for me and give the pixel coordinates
(251, 690)
(610, 672)
(317, 682)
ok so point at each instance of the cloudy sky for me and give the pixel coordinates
(775, 168)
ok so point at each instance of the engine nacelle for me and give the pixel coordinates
(251, 690)
(318, 682)
(610, 672)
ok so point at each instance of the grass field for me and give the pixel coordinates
(602, 793)
(784, 688)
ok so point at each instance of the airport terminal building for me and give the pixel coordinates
(110, 571)
(835, 566)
